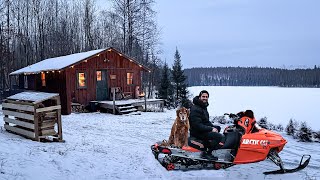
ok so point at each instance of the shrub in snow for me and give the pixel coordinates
(263, 123)
(304, 134)
(219, 119)
(271, 126)
(291, 127)
(279, 127)
(316, 136)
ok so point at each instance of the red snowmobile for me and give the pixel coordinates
(244, 142)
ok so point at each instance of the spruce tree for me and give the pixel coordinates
(290, 129)
(165, 89)
(305, 133)
(179, 82)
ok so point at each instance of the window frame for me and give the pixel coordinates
(127, 79)
(85, 80)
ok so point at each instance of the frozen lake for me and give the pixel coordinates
(279, 105)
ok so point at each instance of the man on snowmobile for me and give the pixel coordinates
(200, 126)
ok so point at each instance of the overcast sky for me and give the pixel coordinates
(273, 33)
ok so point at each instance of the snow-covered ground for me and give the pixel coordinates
(105, 146)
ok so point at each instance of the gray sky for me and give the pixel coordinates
(276, 33)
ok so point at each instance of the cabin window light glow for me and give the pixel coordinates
(43, 79)
(81, 78)
(129, 78)
(99, 77)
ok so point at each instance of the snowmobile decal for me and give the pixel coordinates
(250, 141)
(255, 142)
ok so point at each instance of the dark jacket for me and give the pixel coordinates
(199, 118)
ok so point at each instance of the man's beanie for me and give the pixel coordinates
(203, 91)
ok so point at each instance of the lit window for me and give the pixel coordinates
(43, 79)
(99, 76)
(81, 80)
(129, 78)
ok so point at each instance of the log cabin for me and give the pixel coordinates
(84, 77)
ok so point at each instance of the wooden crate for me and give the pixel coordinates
(33, 115)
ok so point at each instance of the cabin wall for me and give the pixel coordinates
(111, 61)
(55, 83)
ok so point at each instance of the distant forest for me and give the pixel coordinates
(253, 76)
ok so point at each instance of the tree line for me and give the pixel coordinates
(34, 30)
(253, 76)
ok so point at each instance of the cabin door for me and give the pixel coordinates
(102, 85)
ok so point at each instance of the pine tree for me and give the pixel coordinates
(165, 89)
(305, 133)
(179, 81)
(290, 129)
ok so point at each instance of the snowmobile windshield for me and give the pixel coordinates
(256, 125)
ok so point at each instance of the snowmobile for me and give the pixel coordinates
(244, 142)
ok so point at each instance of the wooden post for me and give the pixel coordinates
(59, 119)
(114, 100)
(5, 116)
(145, 102)
(36, 123)
(161, 105)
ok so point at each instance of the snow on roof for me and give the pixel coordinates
(56, 63)
(35, 97)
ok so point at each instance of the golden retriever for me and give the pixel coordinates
(180, 128)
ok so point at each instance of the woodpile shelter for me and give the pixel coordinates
(35, 115)
(84, 77)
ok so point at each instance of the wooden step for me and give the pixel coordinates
(125, 107)
(129, 110)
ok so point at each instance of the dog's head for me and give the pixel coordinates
(183, 114)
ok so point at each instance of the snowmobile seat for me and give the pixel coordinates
(196, 143)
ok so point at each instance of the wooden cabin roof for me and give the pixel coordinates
(62, 62)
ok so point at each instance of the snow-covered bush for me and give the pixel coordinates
(291, 127)
(263, 123)
(219, 119)
(271, 126)
(316, 136)
(305, 133)
(279, 127)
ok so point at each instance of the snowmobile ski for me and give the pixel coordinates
(301, 166)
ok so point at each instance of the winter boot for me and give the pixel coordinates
(208, 156)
